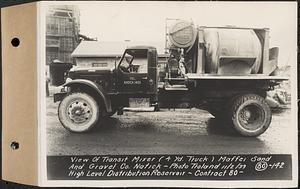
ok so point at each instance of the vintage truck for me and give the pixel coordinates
(224, 70)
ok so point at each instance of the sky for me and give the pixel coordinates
(145, 21)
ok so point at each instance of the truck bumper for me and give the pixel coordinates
(59, 96)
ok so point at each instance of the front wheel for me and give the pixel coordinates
(78, 112)
(250, 115)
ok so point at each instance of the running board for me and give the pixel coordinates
(139, 109)
(176, 88)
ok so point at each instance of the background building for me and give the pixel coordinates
(62, 37)
(108, 53)
(62, 33)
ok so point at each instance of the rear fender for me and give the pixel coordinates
(95, 87)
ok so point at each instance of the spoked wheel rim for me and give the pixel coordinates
(79, 111)
(251, 117)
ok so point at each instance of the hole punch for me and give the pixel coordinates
(14, 145)
(15, 42)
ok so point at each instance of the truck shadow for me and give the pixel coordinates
(144, 126)
(213, 127)
(107, 124)
(118, 135)
(224, 131)
(112, 124)
(219, 127)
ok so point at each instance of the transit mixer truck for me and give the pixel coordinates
(224, 70)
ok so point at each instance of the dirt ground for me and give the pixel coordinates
(165, 132)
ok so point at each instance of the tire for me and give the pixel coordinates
(250, 115)
(78, 112)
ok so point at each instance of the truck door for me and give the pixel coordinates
(133, 72)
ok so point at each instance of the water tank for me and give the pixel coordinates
(182, 34)
(231, 51)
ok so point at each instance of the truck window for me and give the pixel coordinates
(139, 65)
(135, 62)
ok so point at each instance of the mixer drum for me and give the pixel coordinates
(182, 34)
(232, 51)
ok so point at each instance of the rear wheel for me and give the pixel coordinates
(78, 112)
(250, 115)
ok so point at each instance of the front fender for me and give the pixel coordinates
(95, 87)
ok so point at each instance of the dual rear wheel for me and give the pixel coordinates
(249, 114)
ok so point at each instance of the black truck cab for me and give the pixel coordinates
(135, 76)
(137, 71)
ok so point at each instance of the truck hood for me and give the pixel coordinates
(88, 72)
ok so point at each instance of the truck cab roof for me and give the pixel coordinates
(140, 47)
